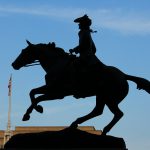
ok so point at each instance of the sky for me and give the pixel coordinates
(122, 40)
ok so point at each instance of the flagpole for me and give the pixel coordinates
(8, 132)
(9, 106)
(9, 114)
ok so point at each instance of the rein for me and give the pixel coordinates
(36, 62)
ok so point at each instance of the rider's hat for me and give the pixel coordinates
(84, 20)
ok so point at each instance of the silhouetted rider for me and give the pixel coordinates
(86, 47)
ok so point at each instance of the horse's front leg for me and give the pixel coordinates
(34, 106)
(44, 90)
(33, 92)
(28, 112)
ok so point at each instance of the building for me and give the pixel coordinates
(1, 138)
(33, 129)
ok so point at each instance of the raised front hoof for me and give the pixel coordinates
(26, 117)
(39, 108)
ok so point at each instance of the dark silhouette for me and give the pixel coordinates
(86, 47)
(66, 138)
(107, 83)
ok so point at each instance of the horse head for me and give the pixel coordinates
(46, 54)
(25, 57)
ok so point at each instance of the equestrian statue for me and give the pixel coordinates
(68, 74)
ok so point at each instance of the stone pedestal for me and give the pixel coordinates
(64, 139)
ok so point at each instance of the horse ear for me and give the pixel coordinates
(53, 44)
(29, 43)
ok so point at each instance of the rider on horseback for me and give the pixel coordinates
(86, 62)
(86, 47)
(86, 65)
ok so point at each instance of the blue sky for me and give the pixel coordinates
(122, 40)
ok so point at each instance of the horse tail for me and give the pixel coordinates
(142, 83)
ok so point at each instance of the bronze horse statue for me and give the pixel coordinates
(107, 83)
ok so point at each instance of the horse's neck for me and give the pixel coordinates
(51, 62)
(47, 63)
(45, 66)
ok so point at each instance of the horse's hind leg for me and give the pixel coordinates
(118, 114)
(98, 110)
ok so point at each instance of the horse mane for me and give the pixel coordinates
(59, 51)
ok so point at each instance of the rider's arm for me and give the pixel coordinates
(76, 50)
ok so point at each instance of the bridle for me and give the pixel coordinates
(36, 62)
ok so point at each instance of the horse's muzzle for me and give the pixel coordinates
(15, 67)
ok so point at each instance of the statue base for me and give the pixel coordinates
(66, 138)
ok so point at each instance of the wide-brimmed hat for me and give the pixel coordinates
(84, 20)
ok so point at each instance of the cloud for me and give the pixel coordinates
(124, 22)
(119, 20)
(43, 11)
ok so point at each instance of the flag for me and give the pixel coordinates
(10, 85)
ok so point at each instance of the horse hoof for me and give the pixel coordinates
(26, 117)
(39, 108)
(103, 134)
(73, 126)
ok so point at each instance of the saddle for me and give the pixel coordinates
(77, 77)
